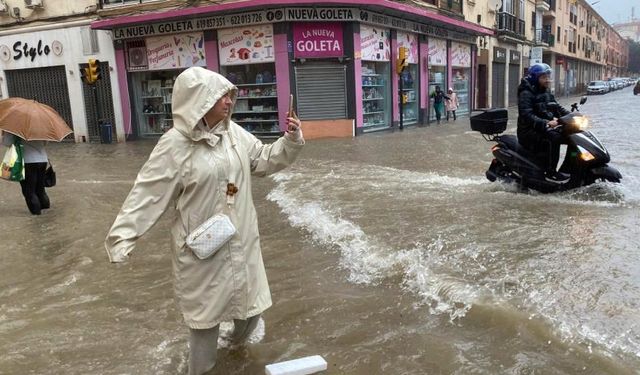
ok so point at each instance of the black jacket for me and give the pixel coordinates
(534, 114)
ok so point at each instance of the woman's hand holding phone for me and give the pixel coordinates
(293, 123)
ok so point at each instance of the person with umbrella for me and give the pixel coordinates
(33, 124)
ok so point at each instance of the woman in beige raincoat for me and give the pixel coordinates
(191, 167)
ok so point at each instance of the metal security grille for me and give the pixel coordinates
(514, 81)
(105, 101)
(321, 91)
(45, 85)
(498, 70)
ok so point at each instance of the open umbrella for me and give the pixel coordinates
(32, 121)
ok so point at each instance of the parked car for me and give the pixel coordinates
(597, 87)
(636, 89)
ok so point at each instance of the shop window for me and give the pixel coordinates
(376, 72)
(409, 78)
(437, 69)
(256, 107)
(376, 103)
(249, 63)
(153, 90)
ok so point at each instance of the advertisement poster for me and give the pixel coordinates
(438, 52)
(375, 43)
(317, 39)
(246, 45)
(460, 55)
(175, 51)
(411, 42)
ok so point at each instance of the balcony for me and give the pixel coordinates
(549, 12)
(510, 25)
(543, 5)
(544, 38)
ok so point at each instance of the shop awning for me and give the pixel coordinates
(384, 13)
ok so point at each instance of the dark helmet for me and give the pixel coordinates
(535, 71)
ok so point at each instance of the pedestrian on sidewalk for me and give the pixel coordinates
(35, 165)
(438, 102)
(452, 104)
(202, 167)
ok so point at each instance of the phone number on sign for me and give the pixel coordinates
(245, 19)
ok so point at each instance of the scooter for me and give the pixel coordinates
(585, 160)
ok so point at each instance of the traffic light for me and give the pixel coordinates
(403, 59)
(91, 74)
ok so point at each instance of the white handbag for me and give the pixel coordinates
(209, 237)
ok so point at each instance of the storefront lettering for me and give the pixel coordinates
(318, 46)
(175, 27)
(30, 51)
(227, 43)
(311, 14)
(134, 32)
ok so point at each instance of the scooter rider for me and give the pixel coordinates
(538, 120)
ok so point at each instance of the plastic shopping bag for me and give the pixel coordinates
(12, 167)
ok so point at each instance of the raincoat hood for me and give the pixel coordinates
(195, 92)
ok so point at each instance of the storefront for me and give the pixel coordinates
(438, 60)
(514, 77)
(410, 78)
(498, 73)
(461, 75)
(45, 65)
(339, 63)
(375, 47)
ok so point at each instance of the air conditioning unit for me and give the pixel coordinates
(3, 7)
(31, 4)
(138, 57)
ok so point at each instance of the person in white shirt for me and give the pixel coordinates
(35, 165)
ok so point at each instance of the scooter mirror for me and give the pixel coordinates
(583, 100)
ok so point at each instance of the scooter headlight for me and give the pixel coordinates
(582, 122)
(585, 155)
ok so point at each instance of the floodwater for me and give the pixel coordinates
(389, 253)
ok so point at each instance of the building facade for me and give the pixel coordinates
(629, 30)
(338, 60)
(566, 34)
(43, 47)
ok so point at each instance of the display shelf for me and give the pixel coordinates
(155, 113)
(152, 97)
(372, 99)
(253, 112)
(371, 75)
(372, 85)
(372, 113)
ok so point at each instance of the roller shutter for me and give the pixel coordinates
(45, 85)
(498, 73)
(321, 91)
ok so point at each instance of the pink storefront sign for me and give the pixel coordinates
(317, 39)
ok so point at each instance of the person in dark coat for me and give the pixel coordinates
(438, 102)
(538, 114)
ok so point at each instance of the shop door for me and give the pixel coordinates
(321, 91)
(498, 85)
(482, 86)
(514, 81)
(45, 85)
(105, 101)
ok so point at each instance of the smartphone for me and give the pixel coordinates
(291, 105)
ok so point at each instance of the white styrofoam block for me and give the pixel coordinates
(300, 366)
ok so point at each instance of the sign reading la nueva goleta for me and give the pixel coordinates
(285, 15)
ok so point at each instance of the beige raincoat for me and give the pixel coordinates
(190, 168)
